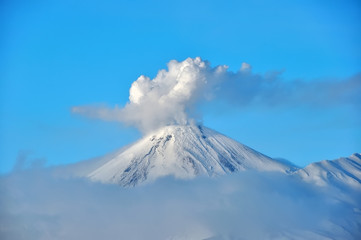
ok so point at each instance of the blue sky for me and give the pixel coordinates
(59, 54)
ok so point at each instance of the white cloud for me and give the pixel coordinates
(245, 67)
(36, 205)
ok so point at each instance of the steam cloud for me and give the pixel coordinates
(173, 95)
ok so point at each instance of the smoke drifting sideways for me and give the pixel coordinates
(174, 95)
(246, 205)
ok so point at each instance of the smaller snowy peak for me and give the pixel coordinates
(182, 151)
(342, 171)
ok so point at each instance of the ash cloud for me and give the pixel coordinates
(173, 95)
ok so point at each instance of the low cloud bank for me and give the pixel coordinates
(247, 205)
(174, 95)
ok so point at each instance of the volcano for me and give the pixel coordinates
(181, 151)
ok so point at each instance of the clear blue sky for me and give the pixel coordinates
(59, 54)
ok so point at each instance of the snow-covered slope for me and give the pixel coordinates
(183, 152)
(189, 150)
(344, 171)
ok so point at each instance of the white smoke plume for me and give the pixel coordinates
(166, 99)
(173, 95)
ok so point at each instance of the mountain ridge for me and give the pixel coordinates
(341, 171)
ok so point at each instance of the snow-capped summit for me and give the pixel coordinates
(342, 171)
(182, 151)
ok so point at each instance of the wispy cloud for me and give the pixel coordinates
(23, 161)
(172, 96)
(36, 205)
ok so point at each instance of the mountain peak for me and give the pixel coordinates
(182, 151)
